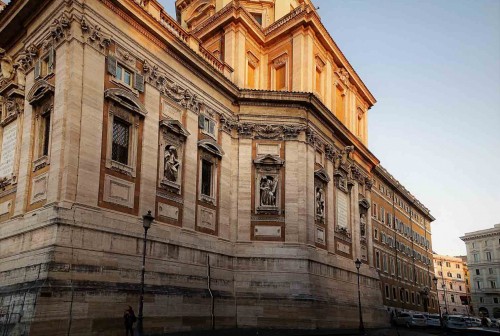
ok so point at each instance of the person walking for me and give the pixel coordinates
(129, 320)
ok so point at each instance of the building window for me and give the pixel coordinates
(279, 76)
(206, 178)
(339, 103)
(493, 284)
(377, 259)
(207, 125)
(374, 210)
(384, 262)
(387, 292)
(448, 264)
(45, 133)
(451, 286)
(120, 142)
(460, 288)
(495, 300)
(476, 257)
(375, 234)
(488, 256)
(477, 271)
(440, 273)
(457, 266)
(125, 112)
(257, 17)
(452, 298)
(45, 65)
(123, 75)
(459, 276)
(478, 284)
(481, 300)
(394, 293)
(490, 270)
(207, 173)
(252, 70)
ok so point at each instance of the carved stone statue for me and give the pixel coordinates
(320, 202)
(268, 187)
(6, 65)
(337, 161)
(171, 170)
(362, 225)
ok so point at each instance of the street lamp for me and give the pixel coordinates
(361, 325)
(147, 219)
(435, 280)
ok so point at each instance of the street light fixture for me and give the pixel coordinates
(147, 219)
(361, 325)
(435, 280)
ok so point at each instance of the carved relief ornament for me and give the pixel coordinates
(274, 132)
(95, 35)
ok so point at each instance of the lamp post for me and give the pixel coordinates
(435, 280)
(147, 219)
(361, 325)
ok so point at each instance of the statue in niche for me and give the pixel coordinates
(268, 187)
(362, 225)
(171, 170)
(320, 202)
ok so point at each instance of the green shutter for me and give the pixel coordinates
(50, 64)
(38, 68)
(139, 82)
(201, 121)
(111, 60)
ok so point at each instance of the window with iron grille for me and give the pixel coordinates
(119, 151)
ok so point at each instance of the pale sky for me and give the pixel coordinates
(434, 68)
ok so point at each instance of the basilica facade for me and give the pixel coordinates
(240, 125)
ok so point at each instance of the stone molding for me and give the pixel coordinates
(269, 132)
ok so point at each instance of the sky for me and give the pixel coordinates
(434, 68)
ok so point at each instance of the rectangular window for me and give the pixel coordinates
(123, 75)
(207, 125)
(394, 293)
(476, 257)
(377, 259)
(493, 284)
(477, 271)
(281, 78)
(478, 285)
(387, 292)
(119, 150)
(457, 266)
(206, 177)
(495, 300)
(490, 270)
(374, 210)
(45, 134)
(488, 256)
(375, 234)
(384, 262)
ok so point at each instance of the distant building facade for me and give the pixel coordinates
(241, 126)
(483, 256)
(452, 284)
(402, 245)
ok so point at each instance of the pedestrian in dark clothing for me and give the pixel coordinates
(129, 319)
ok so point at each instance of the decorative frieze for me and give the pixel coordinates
(270, 132)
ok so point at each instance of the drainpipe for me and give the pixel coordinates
(211, 294)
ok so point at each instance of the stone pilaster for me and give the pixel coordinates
(191, 171)
(226, 167)
(244, 190)
(149, 162)
(91, 127)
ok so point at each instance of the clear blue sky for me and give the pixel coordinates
(434, 67)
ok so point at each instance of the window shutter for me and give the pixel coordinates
(50, 65)
(139, 82)
(111, 65)
(37, 69)
(201, 121)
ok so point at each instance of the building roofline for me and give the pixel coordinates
(381, 171)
